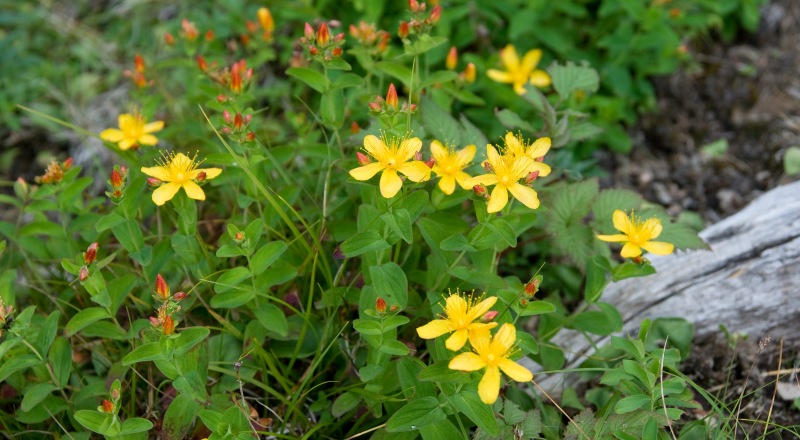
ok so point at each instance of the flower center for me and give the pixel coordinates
(490, 358)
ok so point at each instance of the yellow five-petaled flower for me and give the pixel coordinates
(449, 166)
(178, 171)
(392, 156)
(516, 146)
(133, 131)
(637, 234)
(506, 172)
(519, 72)
(493, 355)
(459, 320)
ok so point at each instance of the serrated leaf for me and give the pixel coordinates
(570, 77)
(513, 121)
(610, 200)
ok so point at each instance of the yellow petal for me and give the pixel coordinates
(654, 226)
(147, 139)
(126, 144)
(621, 222)
(498, 199)
(489, 387)
(519, 88)
(630, 250)
(153, 126)
(515, 370)
(457, 340)
(447, 184)
(513, 145)
(434, 329)
(540, 78)
(165, 192)
(210, 172)
(541, 167)
(493, 156)
(408, 148)
(504, 339)
(455, 306)
(510, 58)
(462, 178)
(438, 151)
(466, 362)
(484, 179)
(466, 154)
(530, 60)
(366, 172)
(390, 183)
(482, 307)
(416, 171)
(111, 135)
(193, 190)
(525, 194)
(617, 238)
(499, 76)
(126, 121)
(480, 336)
(374, 146)
(658, 247)
(521, 167)
(539, 148)
(158, 172)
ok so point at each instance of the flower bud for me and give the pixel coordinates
(250, 136)
(312, 50)
(169, 325)
(225, 130)
(452, 59)
(674, 12)
(201, 176)
(488, 316)
(469, 73)
(308, 31)
(487, 166)
(523, 303)
(265, 18)
(152, 181)
(247, 119)
(179, 296)
(201, 63)
(532, 287)
(323, 36)
(138, 63)
(336, 52)
(374, 106)
(155, 321)
(338, 254)
(91, 253)
(116, 179)
(430, 162)
(107, 406)
(251, 28)
(402, 31)
(209, 35)
(169, 39)
(413, 5)
(115, 394)
(531, 177)
(380, 305)
(239, 236)
(161, 287)
(362, 158)
(417, 156)
(221, 98)
(83, 274)
(435, 14)
(480, 191)
(394, 308)
(236, 79)
(391, 97)
(67, 164)
(354, 128)
(226, 116)
(238, 122)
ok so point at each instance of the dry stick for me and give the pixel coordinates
(365, 432)
(661, 375)
(761, 346)
(775, 391)
(560, 409)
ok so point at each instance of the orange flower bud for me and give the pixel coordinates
(452, 59)
(201, 63)
(201, 176)
(384, 43)
(532, 287)
(413, 5)
(209, 35)
(250, 136)
(238, 122)
(380, 305)
(531, 177)
(91, 253)
(674, 12)
(189, 30)
(84, 273)
(67, 164)
(236, 79)
(221, 98)
(523, 303)
(430, 162)
(169, 39)
(161, 287)
(179, 296)
(107, 406)
(470, 73)
(138, 63)
(116, 179)
(374, 106)
(391, 97)
(308, 32)
(488, 316)
(336, 52)
(394, 308)
(436, 14)
(480, 191)
(323, 35)
(265, 18)
(402, 31)
(362, 158)
(169, 325)
(239, 236)
(354, 128)
(354, 32)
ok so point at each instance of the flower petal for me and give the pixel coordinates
(482, 307)
(438, 151)
(539, 147)
(499, 76)
(493, 156)
(455, 306)
(515, 370)
(498, 199)
(447, 184)
(154, 126)
(210, 172)
(525, 194)
(617, 238)
(510, 58)
(465, 155)
(621, 222)
(434, 329)
(654, 226)
(519, 88)
(407, 148)
(374, 146)
(159, 173)
(165, 192)
(630, 250)
(367, 171)
(484, 179)
(462, 178)
(111, 135)
(540, 78)
(457, 340)
(658, 247)
(193, 190)
(504, 339)
(541, 167)
(390, 183)
(466, 362)
(126, 121)
(416, 171)
(489, 386)
(126, 144)
(513, 145)
(147, 139)
(530, 60)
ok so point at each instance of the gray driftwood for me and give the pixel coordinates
(749, 281)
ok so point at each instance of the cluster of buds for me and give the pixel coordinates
(169, 306)
(421, 22)
(451, 62)
(238, 125)
(189, 33)
(320, 44)
(55, 172)
(391, 104)
(88, 258)
(138, 74)
(530, 290)
(265, 26)
(6, 317)
(117, 182)
(235, 78)
(112, 406)
(375, 41)
(381, 309)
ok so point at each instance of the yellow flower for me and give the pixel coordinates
(459, 318)
(492, 354)
(449, 165)
(516, 147)
(636, 234)
(392, 156)
(506, 173)
(178, 171)
(519, 73)
(133, 131)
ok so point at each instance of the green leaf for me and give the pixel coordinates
(345, 403)
(439, 77)
(17, 363)
(96, 421)
(230, 250)
(60, 358)
(526, 342)
(439, 372)
(390, 280)
(231, 278)
(330, 108)
(629, 269)
(395, 70)
(472, 135)
(513, 121)
(179, 417)
(399, 221)
(368, 328)
(35, 395)
(394, 347)
(347, 80)
(571, 77)
(134, 425)
(417, 413)
(502, 228)
(229, 300)
(610, 200)
(456, 242)
(469, 404)
(312, 78)
(569, 205)
(440, 123)
(595, 279)
(83, 318)
(631, 403)
(42, 227)
(791, 161)
(190, 337)
(143, 353)
(272, 318)
(47, 333)
(363, 242)
(191, 384)
(108, 221)
(537, 308)
(393, 322)
(424, 43)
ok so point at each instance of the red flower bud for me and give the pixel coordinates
(169, 39)
(374, 106)
(380, 305)
(391, 97)
(247, 119)
(238, 122)
(123, 171)
(531, 177)
(161, 287)
(417, 156)
(152, 181)
(452, 59)
(138, 63)
(67, 164)
(221, 98)
(413, 5)
(179, 296)
(430, 162)
(394, 308)
(323, 36)
(402, 31)
(209, 35)
(155, 321)
(169, 326)
(336, 52)
(116, 179)
(91, 253)
(436, 14)
(523, 303)
(250, 136)
(488, 316)
(225, 130)
(201, 176)
(532, 287)
(362, 158)
(226, 116)
(236, 79)
(354, 128)
(488, 167)
(308, 31)
(107, 406)
(312, 50)
(83, 274)
(480, 191)
(201, 63)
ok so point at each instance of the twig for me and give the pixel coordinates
(661, 384)
(775, 391)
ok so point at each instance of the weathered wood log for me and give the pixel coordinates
(749, 281)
